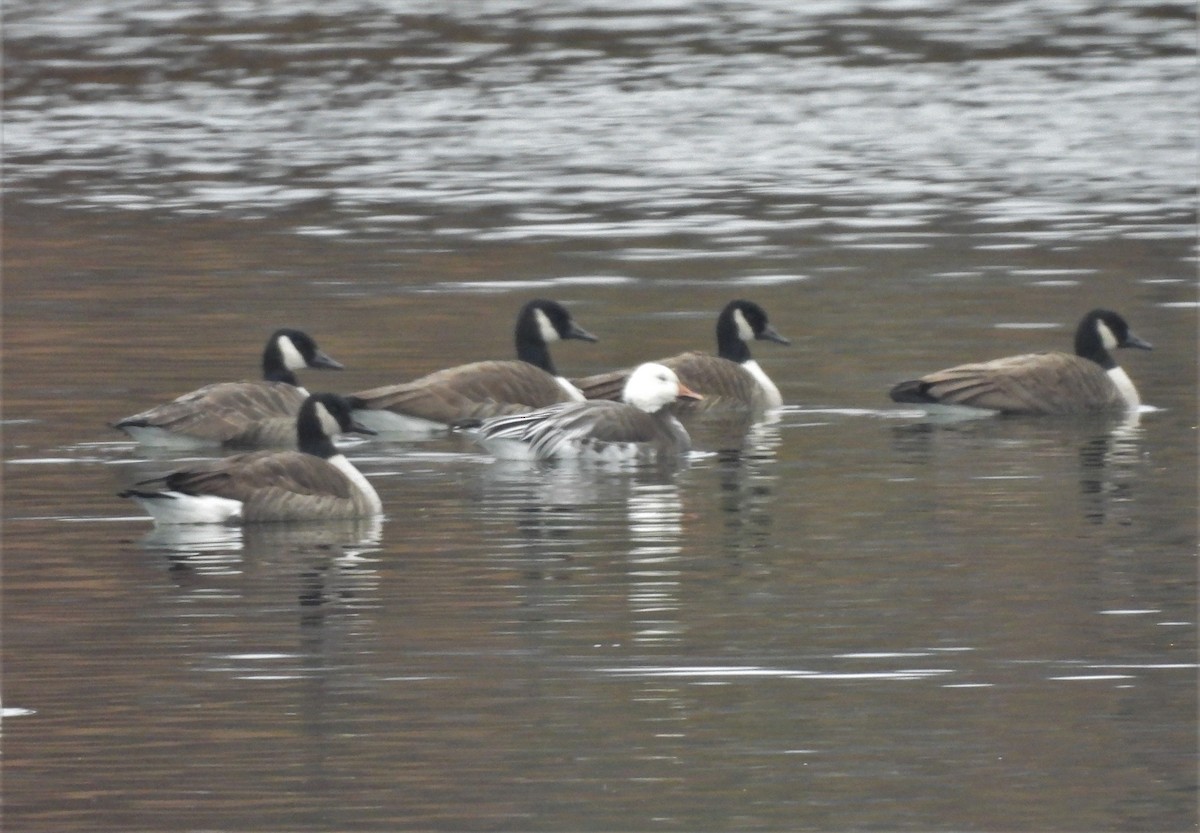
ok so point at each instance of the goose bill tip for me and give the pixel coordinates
(771, 334)
(327, 362)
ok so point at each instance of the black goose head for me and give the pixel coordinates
(1102, 330)
(541, 322)
(322, 417)
(289, 350)
(739, 323)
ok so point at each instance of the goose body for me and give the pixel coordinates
(1088, 381)
(480, 390)
(240, 414)
(639, 429)
(731, 378)
(315, 482)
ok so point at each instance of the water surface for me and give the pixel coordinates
(852, 617)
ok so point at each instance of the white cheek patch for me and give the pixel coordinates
(292, 359)
(1106, 336)
(745, 331)
(545, 327)
(328, 424)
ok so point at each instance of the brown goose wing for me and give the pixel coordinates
(478, 391)
(226, 412)
(607, 385)
(721, 382)
(1046, 383)
(241, 476)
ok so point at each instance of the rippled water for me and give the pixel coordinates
(852, 617)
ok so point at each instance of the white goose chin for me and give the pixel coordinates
(545, 327)
(745, 331)
(329, 425)
(1106, 336)
(292, 359)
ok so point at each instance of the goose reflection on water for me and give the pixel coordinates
(1107, 469)
(350, 537)
(204, 558)
(1016, 448)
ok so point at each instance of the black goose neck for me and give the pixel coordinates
(1089, 345)
(531, 347)
(729, 341)
(273, 367)
(310, 435)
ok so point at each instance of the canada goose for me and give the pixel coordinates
(1040, 383)
(316, 482)
(732, 378)
(481, 389)
(641, 428)
(245, 414)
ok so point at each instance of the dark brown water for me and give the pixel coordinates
(853, 618)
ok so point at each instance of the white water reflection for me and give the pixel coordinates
(655, 563)
(738, 672)
(423, 104)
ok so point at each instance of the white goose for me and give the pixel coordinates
(731, 378)
(1040, 383)
(640, 429)
(475, 391)
(237, 414)
(315, 483)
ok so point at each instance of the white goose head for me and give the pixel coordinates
(651, 387)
